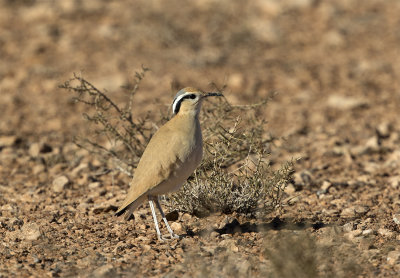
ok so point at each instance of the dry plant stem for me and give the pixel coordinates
(111, 122)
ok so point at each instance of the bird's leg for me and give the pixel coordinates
(173, 235)
(153, 211)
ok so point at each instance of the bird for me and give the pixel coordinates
(171, 156)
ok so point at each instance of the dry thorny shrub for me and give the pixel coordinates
(118, 140)
(235, 175)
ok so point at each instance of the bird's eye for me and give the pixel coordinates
(192, 96)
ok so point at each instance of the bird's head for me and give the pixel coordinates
(188, 100)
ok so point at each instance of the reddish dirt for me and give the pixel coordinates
(335, 67)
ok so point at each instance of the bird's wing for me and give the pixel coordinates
(157, 163)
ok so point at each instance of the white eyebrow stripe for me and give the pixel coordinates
(177, 100)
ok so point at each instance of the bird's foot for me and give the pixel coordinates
(167, 237)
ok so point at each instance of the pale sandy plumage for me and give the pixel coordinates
(171, 156)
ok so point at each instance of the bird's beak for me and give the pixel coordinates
(213, 94)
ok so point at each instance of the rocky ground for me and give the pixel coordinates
(335, 66)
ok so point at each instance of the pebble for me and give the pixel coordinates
(394, 182)
(94, 185)
(385, 232)
(146, 247)
(176, 227)
(345, 102)
(348, 227)
(59, 183)
(353, 234)
(37, 169)
(37, 148)
(396, 218)
(383, 130)
(368, 232)
(230, 244)
(393, 257)
(214, 234)
(348, 212)
(8, 140)
(34, 149)
(186, 217)
(325, 186)
(30, 231)
(361, 210)
(290, 189)
(303, 178)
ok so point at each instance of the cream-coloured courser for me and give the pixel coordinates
(171, 156)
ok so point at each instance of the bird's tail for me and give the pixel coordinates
(130, 207)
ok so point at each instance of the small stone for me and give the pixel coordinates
(83, 207)
(353, 234)
(59, 183)
(30, 231)
(383, 130)
(94, 185)
(372, 143)
(214, 234)
(385, 232)
(396, 218)
(361, 210)
(230, 244)
(303, 178)
(348, 212)
(348, 227)
(37, 169)
(176, 227)
(146, 247)
(77, 170)
(186, 217)
(394, 182)
(345, 102)
(8, 140)
(325, 186)
(37, 148)
(368, 232)
(7, 207)
(290, 189)
(34, 149)
(393, 257)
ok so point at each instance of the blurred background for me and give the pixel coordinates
(323, 57)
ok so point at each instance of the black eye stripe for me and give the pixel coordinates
(177, 106)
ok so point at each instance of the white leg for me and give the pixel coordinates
(153, 211)
(173, 235)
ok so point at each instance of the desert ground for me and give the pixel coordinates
(330, 70)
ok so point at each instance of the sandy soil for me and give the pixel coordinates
(335, 66)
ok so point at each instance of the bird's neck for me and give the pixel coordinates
(189, 113)
(189, 121)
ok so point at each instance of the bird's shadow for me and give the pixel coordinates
(234, 226)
